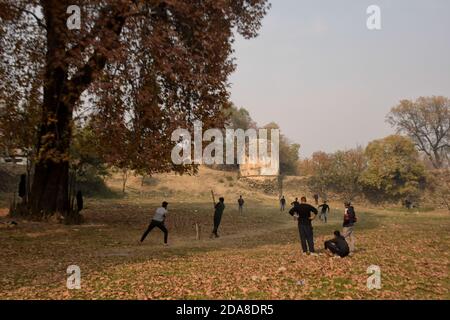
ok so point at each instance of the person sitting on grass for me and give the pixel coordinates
(158, 222)
(337, 245)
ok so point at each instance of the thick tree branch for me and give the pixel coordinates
(85, 76)
(108, 21)
(102, 20)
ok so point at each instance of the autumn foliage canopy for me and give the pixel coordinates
(134, 70)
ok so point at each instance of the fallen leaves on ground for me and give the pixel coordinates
(257, 257)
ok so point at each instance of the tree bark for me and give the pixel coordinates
(49, 191)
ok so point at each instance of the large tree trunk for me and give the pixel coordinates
(50, 188)
(49, 191)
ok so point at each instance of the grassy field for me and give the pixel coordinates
(257, 257)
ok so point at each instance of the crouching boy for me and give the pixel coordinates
(337, 245)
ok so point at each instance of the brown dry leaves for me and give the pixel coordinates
(411, 250)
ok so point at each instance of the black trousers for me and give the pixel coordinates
(323, 215)
(306, 237)
(156, 224)
(332, 246)
(217, 220)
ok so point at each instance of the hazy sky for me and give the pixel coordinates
(328, 81)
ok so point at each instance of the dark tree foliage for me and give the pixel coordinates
(138, 69)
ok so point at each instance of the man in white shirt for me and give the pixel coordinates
(158, 222)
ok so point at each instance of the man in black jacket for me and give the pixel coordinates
(23, 187)
(80, 203)
(338, 245)
(302, 211)
(316, 198)
(241, 205)
(324, 211)
(218, 212)
(282, 203)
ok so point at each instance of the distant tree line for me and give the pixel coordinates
(398, 167)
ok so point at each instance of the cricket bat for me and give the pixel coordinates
(213, 198)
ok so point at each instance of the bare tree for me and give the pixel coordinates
(427, 122)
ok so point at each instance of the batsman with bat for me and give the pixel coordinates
(219, 207)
